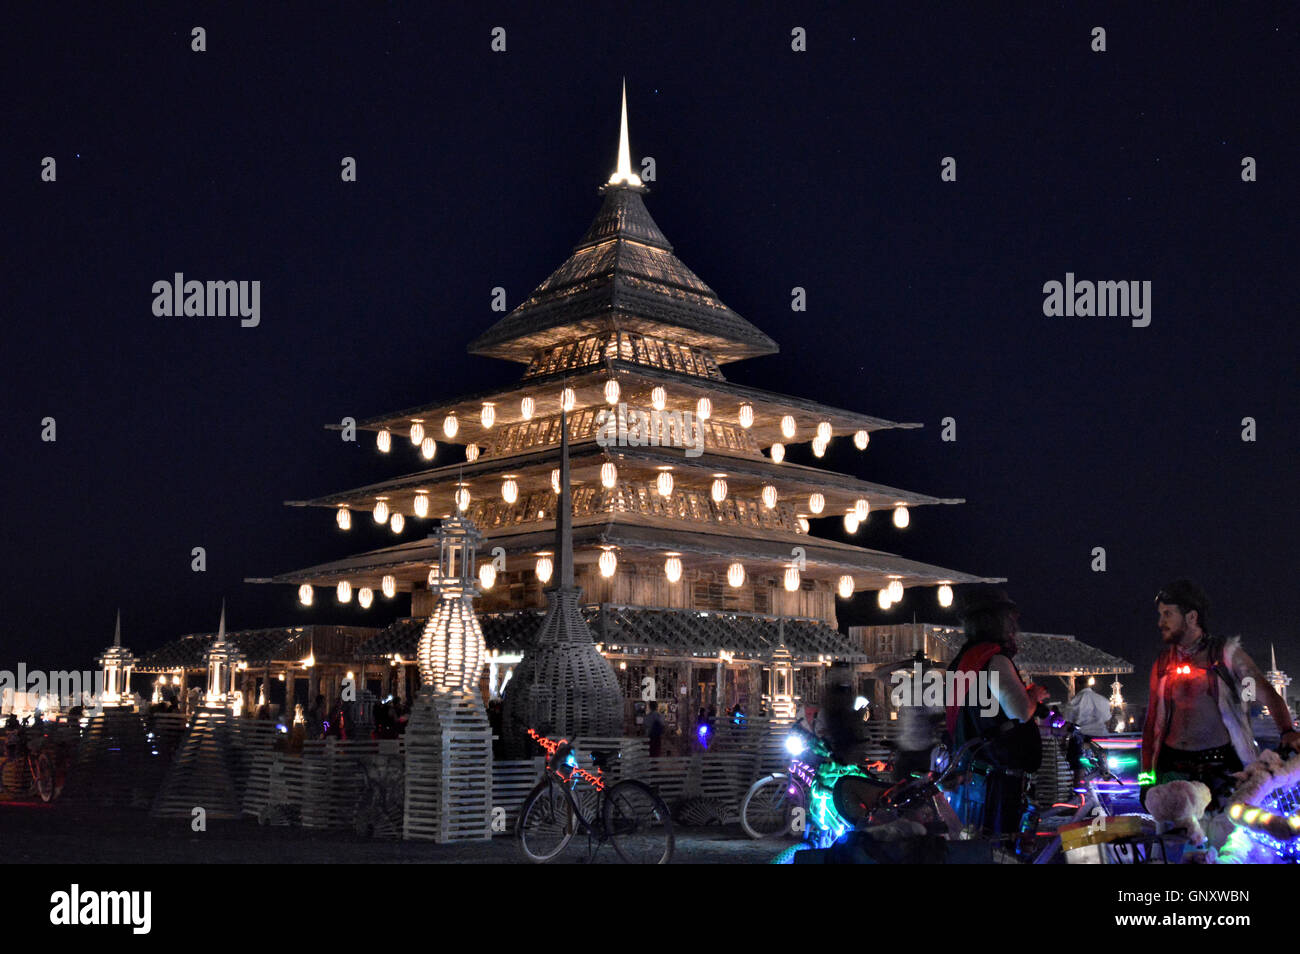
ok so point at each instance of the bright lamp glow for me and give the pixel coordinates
(365, 596)
(719, 491)
(673, 568)
(488, 416)
(795, 744)
(788, 429)
(417, 433)
(305, 594)
(487, 575)
(769, 496)
(608, 475)
(428, 447)
(450, 425)
(396, 522)
(883, 600)
(381, 511)
(343, 517)
(544, 568)
(462, 498)
(816, 503)
(608, 563)
(895, 590)
(746, 415)
(861, 439)
(818, 447)
(659, 398)
(704, 409)
(509, 490)
(861, 508)
(389, 586)
(901, 517)
(612, 391)
(527, 406)
(851, 522)
(792, 579)
(471, 452)
(555, 480)
(824, 432)
(384, 440)
(344, 592)
(664, 483)
(945, 596)
(736, 575)
(778, 452)
(568, 398)
(421, 505)
(846, 587)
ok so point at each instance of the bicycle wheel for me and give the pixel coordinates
(546, 822)
(638, 823)
(768, 807)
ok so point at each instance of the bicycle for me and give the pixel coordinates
(37, 767)
(629, 814)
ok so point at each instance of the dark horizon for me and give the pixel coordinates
(775, 169)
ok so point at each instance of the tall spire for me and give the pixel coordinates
(221, 629)
(1272, 652)
(564, 511)
(623, 175)
(117, 631)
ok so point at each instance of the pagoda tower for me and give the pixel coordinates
(562, 687)
(682, 498)
(448, 739)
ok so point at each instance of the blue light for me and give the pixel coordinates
(795, 744)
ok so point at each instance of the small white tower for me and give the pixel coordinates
(117, 662)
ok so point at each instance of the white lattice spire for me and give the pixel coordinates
(623, 174)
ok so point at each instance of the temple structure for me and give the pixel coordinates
(692, 534)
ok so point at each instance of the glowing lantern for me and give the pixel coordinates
(746, 415)
(509, 490)
(608, 563)
(778, 452)
(555, 481)
(544, 568)
(450, 425)
(568, 399)
(895, 590)
(901, 517)
(659, 398)
(719, 490)
(803, 523)
(664, 482)
(945, 596)
(883, 600)
(846, 587)
(791, 579)
(851, 522)
(526, 408)
(788, 427)
(612, 391)
(305, 593)
(344, 592)
(816, 503)
(381, 511)
(365, 596)
(824, 432)
(861, 439)
(704, 409)
(861, 508)
(421, 504)
(428, 447)
(488, 415)
(462, 498)
(384, 440)
(433, 577)
(608, 474)
(343, 518)
(818, 447)
(389, 585)
(487, 576)
(417, 433)
(471, 452)
(673, 568)
(736, 575)
(397, 522)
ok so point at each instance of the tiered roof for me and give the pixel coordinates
(624, 322)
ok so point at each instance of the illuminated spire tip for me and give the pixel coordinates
(624, 175)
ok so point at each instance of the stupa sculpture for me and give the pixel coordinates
(563, 687)
(448, 738)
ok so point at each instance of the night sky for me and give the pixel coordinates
(775, 169)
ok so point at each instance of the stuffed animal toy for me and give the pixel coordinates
(1180, 805)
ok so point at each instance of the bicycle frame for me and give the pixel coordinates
(569, 783)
